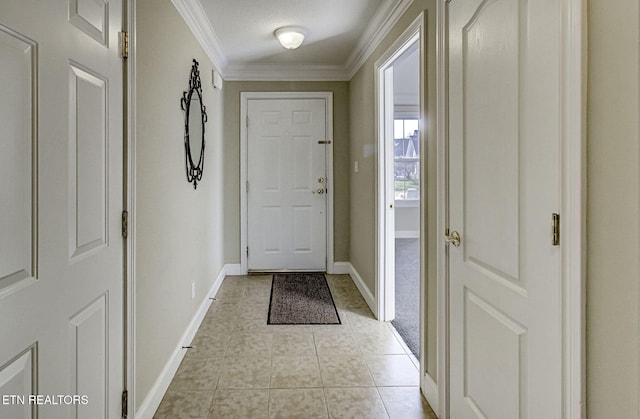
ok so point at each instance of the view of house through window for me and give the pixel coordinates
(407, 159)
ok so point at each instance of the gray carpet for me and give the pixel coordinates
(407, 287)
(301, 298)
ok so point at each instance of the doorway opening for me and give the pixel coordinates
(406, 196)
(400, 77)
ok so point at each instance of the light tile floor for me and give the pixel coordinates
(240, 367)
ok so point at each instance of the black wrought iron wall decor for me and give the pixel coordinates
(195, 116)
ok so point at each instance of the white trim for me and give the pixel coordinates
(233, 269)
(130, 242)
(196, 19)
(154, 397)
(406, 203)
(388, 14)
(574, 206)
(385, 233)
(364, 290)
(286, 72)
(244, 231)
(341, 268)
(407, 234)
(244, 167)
(442, 199)
(215, 287)
(430, 391)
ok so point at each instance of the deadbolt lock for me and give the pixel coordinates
(321, 180)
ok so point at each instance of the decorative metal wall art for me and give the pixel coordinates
(195, 116)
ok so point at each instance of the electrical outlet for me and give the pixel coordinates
(355, 166)
(193, 290)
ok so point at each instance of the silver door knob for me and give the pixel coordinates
(319, 191)
(453, 238)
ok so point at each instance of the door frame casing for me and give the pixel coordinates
(573, 207)
(384, 288)
(130, 193)
(384, 292)
(244, 167)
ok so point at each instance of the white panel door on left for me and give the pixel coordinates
(61, 252)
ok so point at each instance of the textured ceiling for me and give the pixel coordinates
(245, 29)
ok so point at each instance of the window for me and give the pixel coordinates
(407, 159)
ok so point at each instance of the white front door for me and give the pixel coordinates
(61, 194)
(287, 199)
(504, 184)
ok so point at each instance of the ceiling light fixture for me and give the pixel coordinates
(290, 37)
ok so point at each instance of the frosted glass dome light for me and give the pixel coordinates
(290, 37)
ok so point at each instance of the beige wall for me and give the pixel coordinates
(178, 229)
(232, 92)
(363, 149)
(613, 210)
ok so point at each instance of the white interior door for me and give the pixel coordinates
(61, 252)
(287, 200)
(504, 173)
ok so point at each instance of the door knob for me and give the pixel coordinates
(453, 238)
(319, 191)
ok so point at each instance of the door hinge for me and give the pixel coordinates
(125, 404)
(124, 44)
(247, 251)
(125, 224)
(555, 229)
(247, 186)
(247, 121)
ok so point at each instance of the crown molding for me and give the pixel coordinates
(388, 14)
(286, 72)
(196, 19)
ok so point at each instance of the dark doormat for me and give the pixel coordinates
(301, 298)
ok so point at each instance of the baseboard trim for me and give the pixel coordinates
(152, 401)
(341, 268)
(430, 390)
(407, 234)
(233, 269)
(364, 290)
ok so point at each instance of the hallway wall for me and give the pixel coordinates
(341, 173)
(363, 149)
(613, 209)
(179, 230)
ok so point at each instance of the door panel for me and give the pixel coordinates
(17, 381)
(88, 145)
(286, 168)
(489, 43)
(17, 151)
(504, 174)
(88, 340)
(61, 251)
